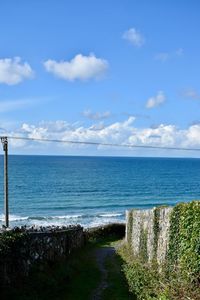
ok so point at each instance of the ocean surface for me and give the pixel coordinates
(61, 190)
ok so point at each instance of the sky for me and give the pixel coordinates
(114, 71)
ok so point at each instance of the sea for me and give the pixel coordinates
(92, 191)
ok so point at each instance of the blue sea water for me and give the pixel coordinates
(90, 191)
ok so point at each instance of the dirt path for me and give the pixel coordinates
(101, 255)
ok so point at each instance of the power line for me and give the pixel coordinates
(102, 144)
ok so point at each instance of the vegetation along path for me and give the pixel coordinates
(112, 283)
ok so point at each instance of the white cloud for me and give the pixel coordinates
(14, 71)
(80, 67)
(134, 37)
(163, 135)
(191, 94)
(124, 132)
(96, 116)
(193, 136)
(156, 100)
(164, 56)
(115, 132)
(98, 126)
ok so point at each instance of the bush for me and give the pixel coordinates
(114, 230)
(10, 239)
(143, 280)
(184, 241)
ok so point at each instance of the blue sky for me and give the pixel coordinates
(108, 71)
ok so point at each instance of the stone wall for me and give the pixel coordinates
(20, 249)
(147, 232)
(167, 237)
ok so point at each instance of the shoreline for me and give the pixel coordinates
(53, 227)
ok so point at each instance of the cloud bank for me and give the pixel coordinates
(14, 71)
(80, 67)
(124, 132)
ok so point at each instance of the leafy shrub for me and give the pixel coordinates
(144, 280)
(147, 283)
(10, 239)
(114, 230)
(184, 241)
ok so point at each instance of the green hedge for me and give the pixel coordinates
(130, 226)
(179, 276)
(184, 240)
(143, 245)
(8, 239)
(113, 230)
(156, 230)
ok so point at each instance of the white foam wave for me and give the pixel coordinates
(98, 222)
(85, 220)
(13, 218)
(68, 217)
(111, 215)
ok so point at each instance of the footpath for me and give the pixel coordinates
(112, 284)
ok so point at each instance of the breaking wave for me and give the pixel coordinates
(86, 220)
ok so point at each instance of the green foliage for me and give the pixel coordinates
(184, 241)
(174, 237)
(129, 226)
(140, 279)
(10, 240)
(117, 288)
(190, 241)
(143, 280)
(156, 229)
(97, 234)
(143, 245)
(147, 283)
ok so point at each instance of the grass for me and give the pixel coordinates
(84, 275)
(117, 289)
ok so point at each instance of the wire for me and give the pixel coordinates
(101, 144)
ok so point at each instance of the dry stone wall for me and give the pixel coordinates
(167, 237)
(20, 249)
(147, 232)
(163, 234)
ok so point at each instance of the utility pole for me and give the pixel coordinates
(4, 141)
